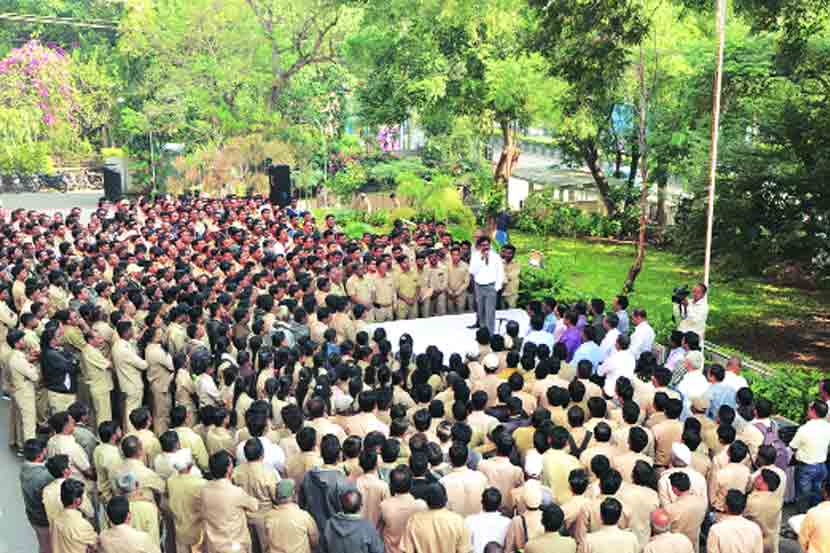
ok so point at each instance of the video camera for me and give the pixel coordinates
(680, 293)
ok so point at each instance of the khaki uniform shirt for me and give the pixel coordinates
(669, 543)
(394, 515)
(640, 501)
(259, 482)
(53, 505)
(374, 492)
(687, 514)
(556, 468)
(551, 542)
(458, 278)
(666, 434)
(732, 476)
(699, 486)
(464, 488)
(735, 534)
(511, 278)
(148, 480)
(184, 495)
(436, 531)
(188, 439)
(610, 539)
(224, 508)
(69, 532)
(503, 475)
(290, 530)
(342, 325)
(385, 292)
(437, 278)
(23, 375)
(407, 284)
(765, 508)
(106, 458)
(297, 465)
(814, 535)
(144, 517)
(62, 444)
(160, 370)
(124, 539)
(360, 289)
(128, 366)
(97, 369)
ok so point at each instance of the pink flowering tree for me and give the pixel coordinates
(38, 106)
(389, 139)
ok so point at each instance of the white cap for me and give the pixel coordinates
(533, 465)
(491, 361)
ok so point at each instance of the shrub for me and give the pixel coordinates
(542, 214)
(403, 213)
(537, 283)
(113, 152)
(356, 229)
(789, 389)
(348, 181)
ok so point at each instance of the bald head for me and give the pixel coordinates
(660, 521)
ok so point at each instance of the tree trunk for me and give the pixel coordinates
(642, 149)
(509, 154)
(635, 160)
(591, 157)
(618, 163)
(662, 188)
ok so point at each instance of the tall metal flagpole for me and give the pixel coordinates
(713, 154)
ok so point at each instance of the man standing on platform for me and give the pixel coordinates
(510, 293)
(487, 271)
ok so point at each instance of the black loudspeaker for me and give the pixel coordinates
(280, 178)
(112, 185)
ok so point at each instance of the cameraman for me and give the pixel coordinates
(692, 312)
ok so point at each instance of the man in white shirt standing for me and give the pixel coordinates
(733, 377)
(810, 444)
(606, 347)
(643, 337)
(693, 314)
(694, 383)
(621, 363)
(488, 525)
(487, 270)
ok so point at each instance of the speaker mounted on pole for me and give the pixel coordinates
(279, 176)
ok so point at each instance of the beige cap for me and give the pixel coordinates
(533, 495)
(700, 404)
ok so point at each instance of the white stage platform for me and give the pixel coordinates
(449, 333)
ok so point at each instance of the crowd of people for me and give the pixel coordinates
(200, 375)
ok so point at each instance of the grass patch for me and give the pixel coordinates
(773, 324)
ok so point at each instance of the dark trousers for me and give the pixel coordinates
(486, 296)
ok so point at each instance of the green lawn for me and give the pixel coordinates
(773, 324)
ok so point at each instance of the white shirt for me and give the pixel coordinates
(606, 347)
(642, 339)
(491, 272)
(274, 455)
(539, 337)
(487, 527)
(620, 363)
(695, 319)
(735, 381)
(693, 385)
(812, 441)
(559, 329)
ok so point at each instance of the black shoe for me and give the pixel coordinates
(474, 326)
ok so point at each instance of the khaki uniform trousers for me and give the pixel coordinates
(384, 313)
(101, 405)
(26, 416)
(406, 311)
(439, 304)
(59, 402)
(425, 308)
(132, 401)
(458, 304)
(161, 411)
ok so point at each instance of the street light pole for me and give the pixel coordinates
(713, 153)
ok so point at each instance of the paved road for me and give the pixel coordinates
(16, 536)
